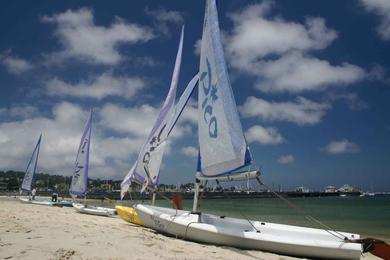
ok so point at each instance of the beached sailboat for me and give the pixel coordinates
(29, 178)
(222, 151)
(79, 185)
(146, 169)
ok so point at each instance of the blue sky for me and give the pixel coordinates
(311, 80)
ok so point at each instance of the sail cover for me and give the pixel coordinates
(221, 141)
(80, 173)
(31, 168)
(149, 160)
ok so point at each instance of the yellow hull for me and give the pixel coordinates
(128, 214)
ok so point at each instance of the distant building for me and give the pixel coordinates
(330, 188)
(302, 189)
(3, 186)
(346, 188)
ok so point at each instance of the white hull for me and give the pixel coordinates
(277, 238)
(25, 200)
(98, 211)
(39, 202)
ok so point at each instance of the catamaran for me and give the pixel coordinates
(79, 185)
(29, 178)
(223, 152)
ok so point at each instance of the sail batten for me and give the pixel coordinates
(222, 144)
(79, 185)
(31, 168)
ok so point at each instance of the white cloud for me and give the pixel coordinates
(19, 111)
(59, 138)
(189, 151)
(295, 72)
(15, 65)
(96, 87)
(164, 18)
(301, 112)
(110, 155)
(256, 35)
(380, 8)
(84, 40)
(285, 159)
(163, 15)
(137, 121)
(276, 52)
(263, 135)
(352, 100)
(341, 147)
(197, 47)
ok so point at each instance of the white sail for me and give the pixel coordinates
(149, 160)
(125, 184)
(80, 174)
(170, 125)
(185, 96)
(31, 168)
(221, 140)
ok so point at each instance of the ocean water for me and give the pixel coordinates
(367, 216)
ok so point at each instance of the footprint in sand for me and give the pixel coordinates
(62, 254)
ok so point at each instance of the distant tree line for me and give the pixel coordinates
(12, 180)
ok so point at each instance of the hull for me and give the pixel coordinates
(25, 200)
(128, 214)
(276, 238)
(91, 210)
(66, 203)
(41, 202)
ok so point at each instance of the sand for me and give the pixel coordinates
(41, 232)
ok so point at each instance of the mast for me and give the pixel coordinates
(153, 198)
(196, 194)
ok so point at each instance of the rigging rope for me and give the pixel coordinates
(303, 212)
(300, 210)
(242, 214)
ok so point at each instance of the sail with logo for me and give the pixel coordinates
(31, 168)
(222, 146)
(222, 151)
(179, 107)
(80, 173)
(79, 185)
(149, 160)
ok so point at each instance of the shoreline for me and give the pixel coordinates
(41, 232)
(207, 195)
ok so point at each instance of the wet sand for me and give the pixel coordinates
(40, 232)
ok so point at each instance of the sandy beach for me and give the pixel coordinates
(41, 232)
